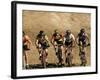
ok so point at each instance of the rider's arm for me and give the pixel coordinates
(87, 39)
(64, 40)
(36, 42)
(52, 39)
(77, 39)
(28, 39)
(46, 37)
(73, 39)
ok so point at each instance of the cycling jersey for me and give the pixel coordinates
(58, 38)
(68, 39)
(42, 40)
(82, 37)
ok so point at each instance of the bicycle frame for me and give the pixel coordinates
(68, 55)
(82, 54)
(59, 54)
(43, 58)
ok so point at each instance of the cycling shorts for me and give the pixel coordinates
(59, 42)
(82, 41)
(44, 45)
(68, 43)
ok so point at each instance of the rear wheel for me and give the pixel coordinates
(43, 59)
(83, 59)
(59, 56)
(69, 59)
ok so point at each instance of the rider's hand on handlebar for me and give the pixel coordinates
(88, 44)
(79, 44)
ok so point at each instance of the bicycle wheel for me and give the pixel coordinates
(69, 59)
(43, 60)
(59, 55)
(83, 59)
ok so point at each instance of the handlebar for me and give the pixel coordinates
(85, 45)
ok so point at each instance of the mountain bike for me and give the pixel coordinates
(82, 54)
(43, 57)
(59, 54)
(69, 56)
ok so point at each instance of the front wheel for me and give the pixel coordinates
(59, 56)
(43, 59)
(83, 59)
(69, 59)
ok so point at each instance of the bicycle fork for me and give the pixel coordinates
(43, 58)
(82, 56)
(69, 57)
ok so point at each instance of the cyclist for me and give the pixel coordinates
(82, 38)
(69, 39)
(57, 40)
(69, 42)
(26, 46)
(42, 41)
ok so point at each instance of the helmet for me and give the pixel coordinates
(42, 33)
(23, 33)
(68, 32)
(56, 31)
(82, 30)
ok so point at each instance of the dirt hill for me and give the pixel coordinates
(34, 21)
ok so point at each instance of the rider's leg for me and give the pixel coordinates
(66, 54)
(24, 63)
(39, 50)
(62, 49)
(84, 46)
(80, 47)
(82, 55)
(25, 56)
(56, 47)
(70, 55)
(46, 50)
(66, 51)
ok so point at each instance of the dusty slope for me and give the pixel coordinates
(33, 22)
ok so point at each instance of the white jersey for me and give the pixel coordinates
(69, 38)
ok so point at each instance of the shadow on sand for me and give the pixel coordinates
(49, 65)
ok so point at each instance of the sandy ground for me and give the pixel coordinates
(34, 21)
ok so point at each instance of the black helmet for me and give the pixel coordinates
(68, 32)
(82, 30)
(42, 33)
(23, 33)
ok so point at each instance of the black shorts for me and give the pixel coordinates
(59, 42)
(44, 45)
(83, 42)
(68, 43)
